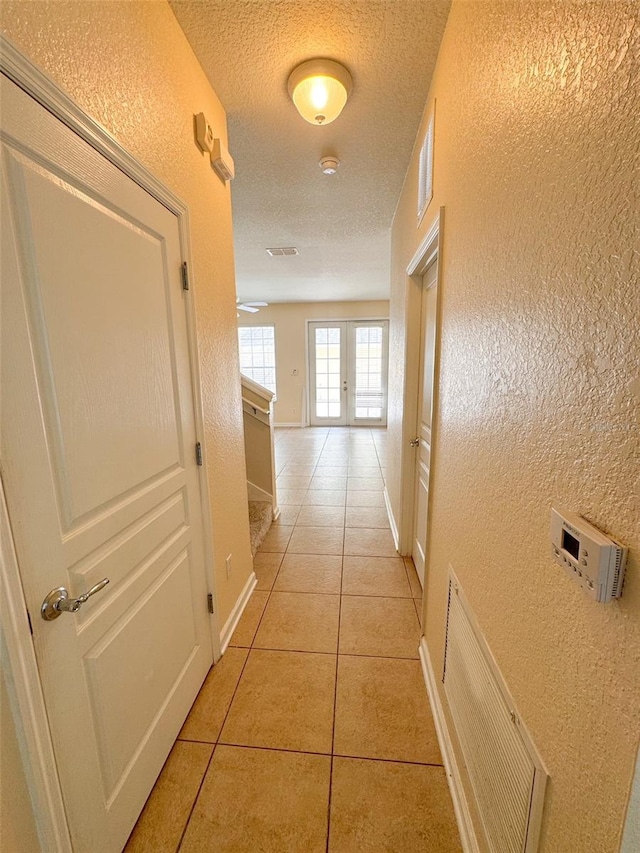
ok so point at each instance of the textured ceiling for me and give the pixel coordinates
(339, 223)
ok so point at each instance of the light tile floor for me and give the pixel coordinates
(314, 732)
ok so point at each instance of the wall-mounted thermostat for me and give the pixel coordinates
(204, 133)
(596, 561)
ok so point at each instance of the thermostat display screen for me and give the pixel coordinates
(570, 544)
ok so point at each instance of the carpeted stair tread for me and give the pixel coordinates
(260, 518)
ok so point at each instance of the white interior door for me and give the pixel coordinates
(97, 443)
(428, 332)
(348, 366)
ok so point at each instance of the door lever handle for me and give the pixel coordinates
(58, 601)
(414, 442)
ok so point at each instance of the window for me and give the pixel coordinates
(258, 354)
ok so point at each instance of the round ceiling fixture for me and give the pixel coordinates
(329, 165)
(319, 88)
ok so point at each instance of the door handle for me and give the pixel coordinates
(344, 384)
(414, 442)
(58, 601)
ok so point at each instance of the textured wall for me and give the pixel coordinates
(536, 161)
(130, 67)
(291, 344)
(631, 836)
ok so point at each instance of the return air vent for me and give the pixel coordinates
(282, 250)
(506, 773)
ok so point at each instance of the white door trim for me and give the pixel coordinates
(25, 692)
(429, 248)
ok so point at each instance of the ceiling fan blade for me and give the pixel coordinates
(257, 304)
(247, 308)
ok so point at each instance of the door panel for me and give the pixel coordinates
(141, 639)
(79, 374)
(348, 363)
(97, 443)
(368, 352)
(327, 361)
(428, 330)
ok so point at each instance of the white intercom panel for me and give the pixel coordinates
(596, 561)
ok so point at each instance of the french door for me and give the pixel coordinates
(348, 363)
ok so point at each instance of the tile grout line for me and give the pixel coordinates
(335, 689)
(321, 754)
(312, 652)
(195, 800)
(345, 594)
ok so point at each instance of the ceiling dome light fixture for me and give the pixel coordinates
(319, 88)
(329, 165)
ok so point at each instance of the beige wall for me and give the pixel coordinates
(130, 67)
(289, 320)
(536, 135)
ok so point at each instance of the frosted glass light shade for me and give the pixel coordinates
(319, 88)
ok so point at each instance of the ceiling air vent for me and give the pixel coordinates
(282, 250)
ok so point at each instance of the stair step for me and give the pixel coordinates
(260, 518)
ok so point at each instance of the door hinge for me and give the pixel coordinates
(185, 276)
(198, 453)
(210, 602)
(30, 625)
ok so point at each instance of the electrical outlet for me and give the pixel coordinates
(227, 563)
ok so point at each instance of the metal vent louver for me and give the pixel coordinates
(505, 771)
(277, 251)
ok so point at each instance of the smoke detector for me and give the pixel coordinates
(329, 165)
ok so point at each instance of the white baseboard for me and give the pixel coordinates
(460, 804)
(392, 521)
(258, 494)
(236, 613)
(298, 424)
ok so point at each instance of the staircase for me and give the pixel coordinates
(260, 517)
(257, 403)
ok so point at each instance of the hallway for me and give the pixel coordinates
(314, 732)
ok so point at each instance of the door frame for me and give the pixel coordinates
(18, 655)
(430, 249)
(307, 360)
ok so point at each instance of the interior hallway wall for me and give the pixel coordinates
(289, 320)
(537, 143)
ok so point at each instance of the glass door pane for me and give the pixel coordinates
(368, 373)
(368, 352)
(328, 377)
